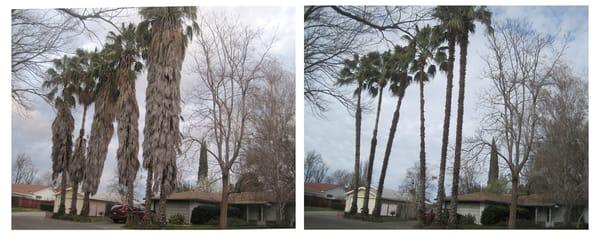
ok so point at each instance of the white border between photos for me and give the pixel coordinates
(5, 139)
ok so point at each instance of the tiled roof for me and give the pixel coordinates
(319, 187)
(524, 200)
(27, 188)
(234, 198)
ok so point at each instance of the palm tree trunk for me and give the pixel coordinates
(85, 207)
(372, 153)
(514, 198)
(356, 178)
(63, 193)
(224, 200)
(422, 169)
(441, 194)
(388, 148)
(129, 198)
(459, 121)
(75, 188)
(148, 202)
(162, 208)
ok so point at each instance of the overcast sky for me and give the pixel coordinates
(31, 135)
(333, 136)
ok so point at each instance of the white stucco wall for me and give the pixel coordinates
(474, 209)
(97, 208)
(387, 207)
(44, 194)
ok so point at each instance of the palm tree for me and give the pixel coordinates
(126, 55)
(399, 81)
(60, 78)
(166, 52)
(102, 125)
(469, 15)
(351, 74)
(449, 25)
(85, 87)
(426, 43)
(374, 65)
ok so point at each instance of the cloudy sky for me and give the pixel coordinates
(333, 136)
(31, 134)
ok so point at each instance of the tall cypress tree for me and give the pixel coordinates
(493, 173)
(203, 166)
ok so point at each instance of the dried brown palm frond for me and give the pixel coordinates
(100, 136)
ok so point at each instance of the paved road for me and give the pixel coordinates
(335, 220)
(38, 220)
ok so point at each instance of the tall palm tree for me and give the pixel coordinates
(102, 125)
(126, 55)
(60, 78)
(469, 15)
(351, 74)
(166, 52)
(426, 43)
(449, 25)
(85, 86)
(399, 80)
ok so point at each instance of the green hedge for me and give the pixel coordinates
(203, 214)
(47, 207)
(499, 214)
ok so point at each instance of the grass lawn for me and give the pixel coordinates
(315, 209)
(204, 227)
(23, 209)
(498, 226)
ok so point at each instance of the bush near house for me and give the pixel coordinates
(177, 219)
(338, 206)
(499, 214)
(47, 207)
(203, 214)
(466, 220)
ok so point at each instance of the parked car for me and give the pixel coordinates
(118, 213)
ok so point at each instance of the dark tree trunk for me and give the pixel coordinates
(85, 207)
(372, 156)
(514, 198)
(388, 148)
(459, 121)
(129, 196)
(162, 207)
(422, 169)
(148, 203)
(441, 193)
(224, 200)
(75, 189)
(356, 178)
(63, 193)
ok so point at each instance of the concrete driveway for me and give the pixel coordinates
(335, 220)
(38, 220)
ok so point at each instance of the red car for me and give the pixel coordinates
(118, 213)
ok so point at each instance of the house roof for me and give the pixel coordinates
(387, 194)
(532, 200)
(99, 196)
(319, 187)
(27, 188)
(234, 198)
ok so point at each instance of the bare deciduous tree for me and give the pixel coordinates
(315, 169)
(228, 63)
(519, 67)
(23, 170)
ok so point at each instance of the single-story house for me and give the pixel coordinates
(100, 203)
(256, 207)
(393, 203)
(33, 191)
(323, 195)
(543, 207)
(31, 195)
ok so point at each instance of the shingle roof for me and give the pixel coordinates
(388, 194)
(27, 188)
(319, 187)
(234, 198)
(524, 200)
